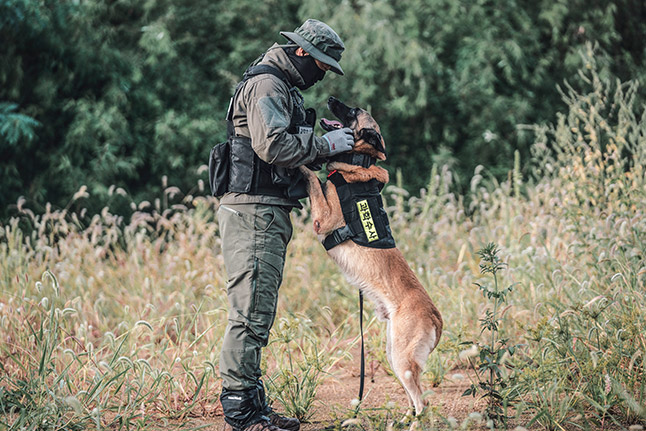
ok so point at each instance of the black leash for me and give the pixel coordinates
(363, 358)
(363, 366)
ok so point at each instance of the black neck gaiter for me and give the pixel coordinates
(307, 67)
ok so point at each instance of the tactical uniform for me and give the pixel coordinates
(271, 140)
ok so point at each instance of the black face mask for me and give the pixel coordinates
(307, 67)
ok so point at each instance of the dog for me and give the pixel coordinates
(414, 324)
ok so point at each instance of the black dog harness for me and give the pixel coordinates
(366, 221)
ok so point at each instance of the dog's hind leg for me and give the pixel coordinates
(389, 344)
(410, 349)
(396, 366)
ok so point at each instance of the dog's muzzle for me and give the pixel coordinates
(329, 125)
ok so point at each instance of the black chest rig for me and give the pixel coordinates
(366, 221)
(249, 173)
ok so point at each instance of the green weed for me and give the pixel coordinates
(491, 371)
(300, 366)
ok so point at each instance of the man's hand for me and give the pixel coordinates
(339, 140)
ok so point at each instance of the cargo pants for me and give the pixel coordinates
(254, 242)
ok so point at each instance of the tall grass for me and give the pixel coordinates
(107, 322)
(126, 316)
(587, 343)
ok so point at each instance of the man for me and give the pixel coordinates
(272, 136)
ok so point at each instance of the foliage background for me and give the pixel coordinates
(122, 93)
(517, 122)
(109, 322)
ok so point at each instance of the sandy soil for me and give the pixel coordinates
(335, 396)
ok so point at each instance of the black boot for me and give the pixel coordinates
(282, 422)
(289, 424)
(242, 408)
(263, 425)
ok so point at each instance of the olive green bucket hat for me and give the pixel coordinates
(320, 41)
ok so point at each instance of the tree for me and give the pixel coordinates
(121, 92)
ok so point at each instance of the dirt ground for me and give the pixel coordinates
(337, 391)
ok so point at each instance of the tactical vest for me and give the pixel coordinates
(250, 174)
(366, 221)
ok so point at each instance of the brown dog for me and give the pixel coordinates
(383, 275)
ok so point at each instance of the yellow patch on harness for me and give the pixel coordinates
(366, 220)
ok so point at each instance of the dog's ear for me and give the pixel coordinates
(372, 137)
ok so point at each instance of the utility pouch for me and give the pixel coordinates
(306, 125)
(242, 159)
(291, 179)
(298, 188)
(281, 176)
(219, 163)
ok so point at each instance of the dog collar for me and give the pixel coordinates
(357, 159)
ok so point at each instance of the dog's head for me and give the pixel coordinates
(367, 135)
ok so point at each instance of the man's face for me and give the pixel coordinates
(324, 67)
(310, 68)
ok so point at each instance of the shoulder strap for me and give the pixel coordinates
(259, 69)
(263, 69)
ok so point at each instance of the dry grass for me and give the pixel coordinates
(110, 322)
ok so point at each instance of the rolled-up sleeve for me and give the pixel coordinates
(268, 117)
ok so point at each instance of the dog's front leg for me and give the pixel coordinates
(324, 215)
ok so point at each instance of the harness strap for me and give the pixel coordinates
(358, 159)
(260, 69)
(342, 234)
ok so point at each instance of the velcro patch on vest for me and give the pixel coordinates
(366, 220)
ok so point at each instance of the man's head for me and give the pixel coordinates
(321, 42)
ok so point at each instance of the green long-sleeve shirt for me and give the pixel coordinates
(263, 110)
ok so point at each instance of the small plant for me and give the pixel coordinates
(436, 369)
(491, 371)
(300, 365)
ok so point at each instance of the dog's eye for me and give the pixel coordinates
(353, 112)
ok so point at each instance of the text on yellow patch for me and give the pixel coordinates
(366, 220)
